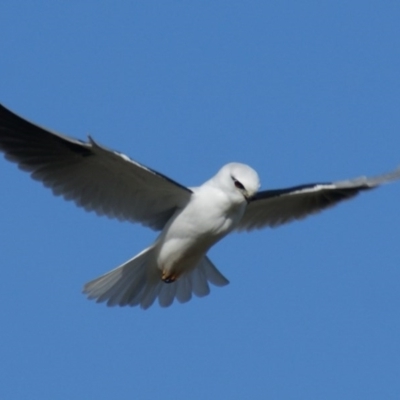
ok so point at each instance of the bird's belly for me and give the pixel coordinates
(188, 238)
(183, 251)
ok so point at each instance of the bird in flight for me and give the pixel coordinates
(190, 220)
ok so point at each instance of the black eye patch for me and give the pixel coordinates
(238, 184)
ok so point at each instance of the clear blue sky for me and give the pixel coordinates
(303, 92)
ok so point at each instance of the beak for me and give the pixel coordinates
(247, 197)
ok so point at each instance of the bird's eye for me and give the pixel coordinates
(239, 185)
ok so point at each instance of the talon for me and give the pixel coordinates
(168, 278)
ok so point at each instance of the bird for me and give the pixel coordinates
(190, 220)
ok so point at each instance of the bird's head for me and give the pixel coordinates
(238, 178)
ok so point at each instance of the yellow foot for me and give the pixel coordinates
(168, 278)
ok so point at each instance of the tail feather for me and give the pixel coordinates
(119, 287)
(127, 287)
(199, 281)
(130, 277)
(213, 275)
(149, 296)
(131, 296)
(184, 289)
(138, 282)
(167, 294)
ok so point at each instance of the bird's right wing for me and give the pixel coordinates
(276, 207)
(95, 178)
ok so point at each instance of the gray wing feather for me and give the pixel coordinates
(94, 177)
(276, 207)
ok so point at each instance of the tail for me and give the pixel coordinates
(138, 282)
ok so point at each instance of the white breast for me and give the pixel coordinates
(209, 216)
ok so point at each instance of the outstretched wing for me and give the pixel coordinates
(95, 178)
(276, 207)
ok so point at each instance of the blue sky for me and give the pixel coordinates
(303, 92)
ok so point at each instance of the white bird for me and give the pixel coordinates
(190, 220)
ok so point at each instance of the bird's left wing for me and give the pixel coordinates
(276, 207)
(95, 178)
